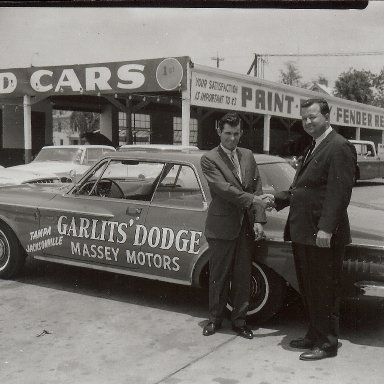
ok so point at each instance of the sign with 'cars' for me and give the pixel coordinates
(153, 75)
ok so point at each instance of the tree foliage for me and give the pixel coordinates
(356, 86)
(85, 121)
(291, 76)
(361, 86)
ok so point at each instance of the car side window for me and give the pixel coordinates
(93, 154)
(369, 152)
(123, 179)
(358, 149)
(179, 187)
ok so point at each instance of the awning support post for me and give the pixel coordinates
(27, 129)
(267, 131)
(358, 133)
(186, 109)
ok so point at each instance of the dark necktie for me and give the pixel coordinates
(310, 150)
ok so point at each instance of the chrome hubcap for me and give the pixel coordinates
(4, 251)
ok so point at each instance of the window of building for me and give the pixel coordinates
(177, 131)
(141, 128)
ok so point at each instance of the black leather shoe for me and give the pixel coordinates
(211, 328)
(301, 343)
(317, 354)
(244, 331)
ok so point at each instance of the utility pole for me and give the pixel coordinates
(257, 66)
(217, 59)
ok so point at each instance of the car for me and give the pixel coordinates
(64, 161)
(370, 164)
(143, 214)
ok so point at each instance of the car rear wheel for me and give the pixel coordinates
(268, 291)
(12, 255)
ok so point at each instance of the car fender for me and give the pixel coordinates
(278, 256)
(201, 263)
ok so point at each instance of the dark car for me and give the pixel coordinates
(143, 214)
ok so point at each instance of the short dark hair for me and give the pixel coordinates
(324, 107)
(230, 118)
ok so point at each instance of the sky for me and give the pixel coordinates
(61, 36)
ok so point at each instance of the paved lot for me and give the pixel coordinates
(66, 325)
(104, 328)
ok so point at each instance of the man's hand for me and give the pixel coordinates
(257, 200)
(270, 200)
(323, 239)
(259, 231)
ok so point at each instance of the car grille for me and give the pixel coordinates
(45, 181)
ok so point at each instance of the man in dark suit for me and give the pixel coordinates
(318, 226)
(234, 220)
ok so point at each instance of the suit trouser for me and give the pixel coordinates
(230, 267)
(319, 276)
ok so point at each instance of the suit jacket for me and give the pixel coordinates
(231, 198)
(320, 193)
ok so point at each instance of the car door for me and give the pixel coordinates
(172, 235)
(95, 223)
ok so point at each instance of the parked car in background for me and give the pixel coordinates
(370, 164)
(63, 161)
(143, 214)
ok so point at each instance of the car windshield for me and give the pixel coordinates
(71, 155)
(276, 177)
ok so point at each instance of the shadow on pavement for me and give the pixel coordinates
(111, 286)
(362, 321)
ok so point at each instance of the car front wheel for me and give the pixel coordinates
(12, 255)
(268, 291)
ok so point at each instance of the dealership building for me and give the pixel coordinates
(165, 101)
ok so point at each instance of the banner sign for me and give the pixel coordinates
(217, 91)
(154, 75)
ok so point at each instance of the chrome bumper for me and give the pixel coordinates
(371, 288)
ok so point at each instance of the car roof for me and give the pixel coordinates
(80, 146)
(163, 147)
(184, 155)
(361, 142)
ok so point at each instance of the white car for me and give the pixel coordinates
(56, 162)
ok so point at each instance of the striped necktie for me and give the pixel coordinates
(310, 150)
(235, 162)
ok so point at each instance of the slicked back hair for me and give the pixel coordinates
(324, 107)
(230, 118)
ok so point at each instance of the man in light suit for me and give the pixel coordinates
(235, 218)
(318, 226)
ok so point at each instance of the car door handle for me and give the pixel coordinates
(133, 211)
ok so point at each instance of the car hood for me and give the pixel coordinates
(11, 176)
(31, 194)
(366, 225)
(52, 167)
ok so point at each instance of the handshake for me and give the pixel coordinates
(267, 201)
